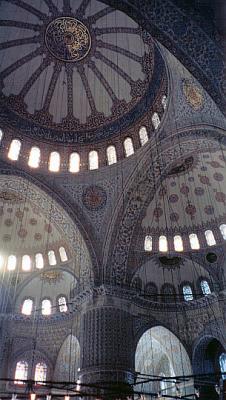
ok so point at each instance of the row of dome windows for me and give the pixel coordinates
(21, 372)
(74, 159)
(26, 263)
(178, 241)
(46, 306)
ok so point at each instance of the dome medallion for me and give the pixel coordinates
(68, 39)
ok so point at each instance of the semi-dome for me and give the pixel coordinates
(76, 74)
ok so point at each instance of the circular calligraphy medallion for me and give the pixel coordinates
(68, 39)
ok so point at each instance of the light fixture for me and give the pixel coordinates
(217, 388)
(32, 396)
(66, 397)
(48, 397)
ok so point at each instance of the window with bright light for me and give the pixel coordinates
(164, 101)
(27, 307)
(63, 254)
(52, 257)
(62, 303)
(54, 161)
(1, 135)
(143, 134)
(128, 147)
(34, 157)
(93, 160)
(187, 292)
(111, 155)
(46, 307)
(40, 373)
(26, 263)
(21, 372)
(222, 362)
(148, 243)
(155, 120)
(223, 231)
(163, 244)
(39, 261)
(14, 150)
(1, 261)
(74, 162)
(194, 241)
(178, 243)
(11, 263)
(210, 239)
(205, 287)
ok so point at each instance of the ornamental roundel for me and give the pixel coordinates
(68, 39)
(94, 198)
(193, 95)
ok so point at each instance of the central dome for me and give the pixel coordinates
(68, 39)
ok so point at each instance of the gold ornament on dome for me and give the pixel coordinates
(193, 95)
(10, 196)
(51, 276)
(68, 39)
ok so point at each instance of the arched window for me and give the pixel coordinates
(143, 134)
(111, 155)
(26, 263)
(93, 160)
(21, 372)
(27, 307)
(62, 303)
(178, 243)
(223, 231)
(151, 290)
(163, 244)
(52, 257)
(1, 135)
(205, 287)
(1, 261)
(54, 161)
(210, 239)
(11, 263)
(164, 101)
(46, 307)
(34, 157)
(168, 293)
(39, 261)
(148, 243)
(187, 292)
(155, 120)
(40, 373)
(222, 362)
(74, 162)
(194, 241)
(14, 149)
(128, 147)
(63, 254)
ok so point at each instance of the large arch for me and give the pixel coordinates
(180, 32)
(160, 353)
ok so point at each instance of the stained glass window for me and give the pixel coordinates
(27, 307)
(63, 254)
(39, 261)
(222, 362)
(164, 101)
(210, 239)
(143, 135)
(21, 372)
(11, 263)
(128, 147)
(46, 307)
(148, 243)
(93, 160)
(62, 302)
(155, 120)
(54, 161)
(163, 244)
(205, 287)
(187, 292)
(26, 263)
(223, 231)
(178, 243)
(52, 257)
(1, 135)
(40, 373)
(111, 155)
(74, 162)
(194, 241)
(14, 149)
(34, 157)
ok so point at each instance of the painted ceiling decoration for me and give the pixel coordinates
(77, 74)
